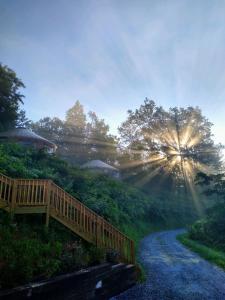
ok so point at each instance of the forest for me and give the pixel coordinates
(171, 171)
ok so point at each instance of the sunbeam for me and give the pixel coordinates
(178, 155)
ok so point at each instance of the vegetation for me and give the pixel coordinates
(210, 230)
(79, 137)
(44, 251)
(159, 151)
(10, 99)
(118, 203)
(28, 251)
(206, 236)
(167, 146)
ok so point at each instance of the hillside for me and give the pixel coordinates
(129, 209)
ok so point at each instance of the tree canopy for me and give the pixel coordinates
(172, 143)
(10, 99)
(79, 137)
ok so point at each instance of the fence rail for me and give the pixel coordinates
(29, 195)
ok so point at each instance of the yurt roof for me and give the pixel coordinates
(25, 134)
(97, 164)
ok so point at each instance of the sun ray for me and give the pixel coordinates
(179, 150)
(150, 176)
(140, 162)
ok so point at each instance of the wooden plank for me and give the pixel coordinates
(37, 209)
(47, 200)
(14, 195)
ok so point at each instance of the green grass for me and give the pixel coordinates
(212, 255)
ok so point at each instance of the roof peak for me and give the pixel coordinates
(97, 163)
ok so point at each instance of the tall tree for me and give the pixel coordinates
(79, 140)
(101, 144)
(74, 133)
(50, 128)
(75, 116)
(171, 144)
(10, 99)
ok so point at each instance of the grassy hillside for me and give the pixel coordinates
(129, 209)
(28, 250)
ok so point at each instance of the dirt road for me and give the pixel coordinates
(174, 272)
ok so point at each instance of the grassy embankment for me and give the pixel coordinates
(213, 255)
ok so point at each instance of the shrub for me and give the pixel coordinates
(210, 230)
(22, 259)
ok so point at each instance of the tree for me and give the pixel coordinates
(74, 134)
(166, 145)
(214, 184)
(210, 229)
(76, 118)
(50, 128)
(68, 135)
(101, 144)
(22, 120)
(79, 140)
(10, 98)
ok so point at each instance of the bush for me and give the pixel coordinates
(29, 251)
(197, 230)
(210, 230)
(22, 259)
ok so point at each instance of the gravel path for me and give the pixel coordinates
(174, 272)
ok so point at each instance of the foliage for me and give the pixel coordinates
(210, 230)
(10, 99)
(121, 204)
(214, 184)
(29, 251)
(166, 144)
(23, 258)
(80, 137)
(102, 145)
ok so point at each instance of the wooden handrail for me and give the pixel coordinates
(41, 195)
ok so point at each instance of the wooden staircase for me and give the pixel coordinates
(22, 196)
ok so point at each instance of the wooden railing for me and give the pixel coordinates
(44, 196)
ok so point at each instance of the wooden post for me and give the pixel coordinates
(48, 186)
(98, 232)
(14, 196)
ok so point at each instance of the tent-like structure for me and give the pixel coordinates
(27, 137)
(102, 167)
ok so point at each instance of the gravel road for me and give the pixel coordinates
(174, 272)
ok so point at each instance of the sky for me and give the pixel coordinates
(111, 54)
